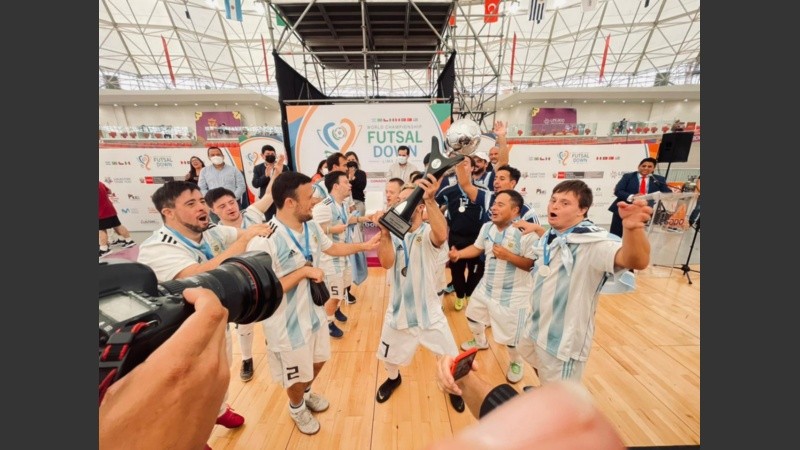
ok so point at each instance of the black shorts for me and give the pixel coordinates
(109, 222)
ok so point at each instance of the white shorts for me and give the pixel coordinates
(398, 346)
(297, 366)
(508, 322)
(337, 282)
(548, 367)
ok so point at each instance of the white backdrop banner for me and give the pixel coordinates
(134, 174)
(599, 166)
(373, 131)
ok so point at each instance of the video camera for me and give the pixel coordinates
(137, 314)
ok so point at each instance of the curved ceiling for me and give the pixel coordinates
(650, 43)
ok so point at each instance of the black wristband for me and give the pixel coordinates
(496, 397)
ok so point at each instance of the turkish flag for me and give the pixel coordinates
(491, 9)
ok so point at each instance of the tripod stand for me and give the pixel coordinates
(685, 267)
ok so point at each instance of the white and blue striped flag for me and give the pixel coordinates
(233, 10)
(537, 10)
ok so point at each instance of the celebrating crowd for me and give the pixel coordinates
(534, 281)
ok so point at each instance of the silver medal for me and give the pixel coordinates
(544, 270)
(461, 209)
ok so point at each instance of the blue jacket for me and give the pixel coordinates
(629, 184)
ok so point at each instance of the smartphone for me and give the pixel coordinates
(463, 363)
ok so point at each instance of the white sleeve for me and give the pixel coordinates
(322, 213)
(324, 241)
(167, 260)
(480, 241)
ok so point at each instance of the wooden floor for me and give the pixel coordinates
(644, 373)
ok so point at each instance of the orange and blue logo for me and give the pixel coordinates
(339, 137)
(144, 160)
(563, 156)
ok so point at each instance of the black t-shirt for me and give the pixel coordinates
(358, 185)
(464, 224)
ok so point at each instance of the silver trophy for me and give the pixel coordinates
(461, 139)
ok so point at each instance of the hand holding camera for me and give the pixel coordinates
(194, 354)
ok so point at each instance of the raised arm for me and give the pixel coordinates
(635, 250)
(435, 217)
(500, 130)
(465, 179)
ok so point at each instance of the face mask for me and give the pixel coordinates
(217, 160)
(269, 159)
(402, 159)
(324, 170)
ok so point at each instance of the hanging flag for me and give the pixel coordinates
(491, 9)
(264, 49)
(169, 63)
(513, 52)
(646, 3)
(589, 5)
(187, 13)
(279, 21)
(537, 10)
(605, 56)
(233, 9)
(453, 19)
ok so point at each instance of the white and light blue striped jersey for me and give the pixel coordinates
(328, 211)
(413, 301)
(251, 216)
(502, 281)
(297, 317)
(564, 305)
(168, 254)
(320, 191)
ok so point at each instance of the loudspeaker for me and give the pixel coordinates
(675, 146)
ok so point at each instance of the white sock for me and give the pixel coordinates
(103, 247)
(296, 409)
(331, 319)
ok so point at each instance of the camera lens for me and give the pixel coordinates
(245, 284)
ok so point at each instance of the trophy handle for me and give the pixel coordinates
(439, 163)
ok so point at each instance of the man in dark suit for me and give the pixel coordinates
(630, 185)
(263, 172)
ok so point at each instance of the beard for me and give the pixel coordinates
(196, 228)
(303, 217)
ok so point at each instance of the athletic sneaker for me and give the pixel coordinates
(229, 419)
(316, 402)
(514, 373)
(449, 288)
(350, 297)
(246, 374)
(128, 244)
(104, 252)
(385, 390)
(117, 242)
(340, 315)
(458, 303)
(467, 345)
(305, 422)
(457, 401)
(334, 331)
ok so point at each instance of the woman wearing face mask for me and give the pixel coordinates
(358, 181)
(195, 166)
(321, 172)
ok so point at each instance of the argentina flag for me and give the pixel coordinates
(537, 10)
(234, 10)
